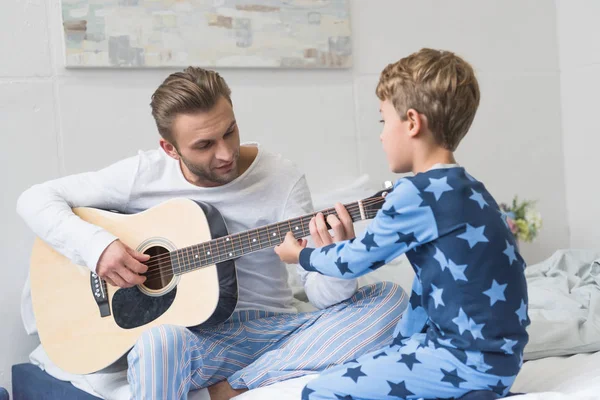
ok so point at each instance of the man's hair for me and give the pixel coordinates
(191, 91)
(438, 84)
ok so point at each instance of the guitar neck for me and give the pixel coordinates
(225, 248)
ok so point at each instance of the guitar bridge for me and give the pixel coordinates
(100, 294)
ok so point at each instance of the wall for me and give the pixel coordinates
(58, 121)
(578, 34)
(514, 145)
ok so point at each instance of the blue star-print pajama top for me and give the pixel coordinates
(465, 327)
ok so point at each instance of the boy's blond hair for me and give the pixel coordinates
(438, 84)
(191, 91)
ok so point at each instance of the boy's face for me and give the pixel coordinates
(395, 139)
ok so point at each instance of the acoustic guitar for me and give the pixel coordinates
(85, 324)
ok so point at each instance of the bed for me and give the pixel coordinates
(574, 377)
(562, 357)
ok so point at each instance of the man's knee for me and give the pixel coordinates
(157, 339)
(390, 294)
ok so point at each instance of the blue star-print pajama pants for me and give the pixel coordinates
(409, 371)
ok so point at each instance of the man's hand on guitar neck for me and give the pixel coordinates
(120, 265)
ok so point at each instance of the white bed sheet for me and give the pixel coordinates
(555, 378)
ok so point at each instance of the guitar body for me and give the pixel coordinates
(86, 325)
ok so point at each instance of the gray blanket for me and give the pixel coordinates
(564, 304)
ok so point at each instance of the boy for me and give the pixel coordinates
(465, 327)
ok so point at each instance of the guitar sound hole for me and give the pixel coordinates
(160, 270)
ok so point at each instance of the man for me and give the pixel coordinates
(200, 157)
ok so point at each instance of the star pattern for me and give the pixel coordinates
(369, 241)
(436, 294)
(326, 249)
(475, 359)
(354, 373)
(496, 292)
(522, 312)
(438, 187)
(417, 270)
(466, 324)
(452, 377)
(306, 392)
(415, 301)
(441, 258)
(377, 264)
(474, 235)
(499, 388)
(409, 360)
(382, 354)
(399, 390)
(457, 271)
(508, 345)
(510, 253)
(391, 212)
(478, 197)
(406, 239)
(462, 321)
(342, 266)
(347, 397)
(504, 217)
(398, 341)
(475, 329)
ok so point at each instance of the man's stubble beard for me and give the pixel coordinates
(206, 174)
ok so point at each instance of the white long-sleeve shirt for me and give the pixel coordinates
(271, 190)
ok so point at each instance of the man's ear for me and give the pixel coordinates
(169, 148)
(416, 122)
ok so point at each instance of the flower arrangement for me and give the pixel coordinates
(523, 220)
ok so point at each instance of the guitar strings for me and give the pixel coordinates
(351, 208)
(264, 235)
(163, 263)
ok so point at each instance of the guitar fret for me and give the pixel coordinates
(187, 254)
(185, 258)
(228, 240)
(241, 245)
(179, 260)
(219, 254)
(190, 255)
(174, 263)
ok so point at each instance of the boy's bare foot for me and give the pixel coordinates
(223, 391)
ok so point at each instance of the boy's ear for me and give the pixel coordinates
(415, 122)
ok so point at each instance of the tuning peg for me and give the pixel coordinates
(388, 185)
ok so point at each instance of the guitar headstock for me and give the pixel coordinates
(374, 203)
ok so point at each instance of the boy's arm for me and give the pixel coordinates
(399, 226)
(322, 291)
(46, 209)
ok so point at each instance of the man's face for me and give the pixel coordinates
(208, 144)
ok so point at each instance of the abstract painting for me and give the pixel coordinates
(207, 33)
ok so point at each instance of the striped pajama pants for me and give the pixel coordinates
(258, 348)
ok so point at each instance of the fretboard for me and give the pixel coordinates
(230, 247)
